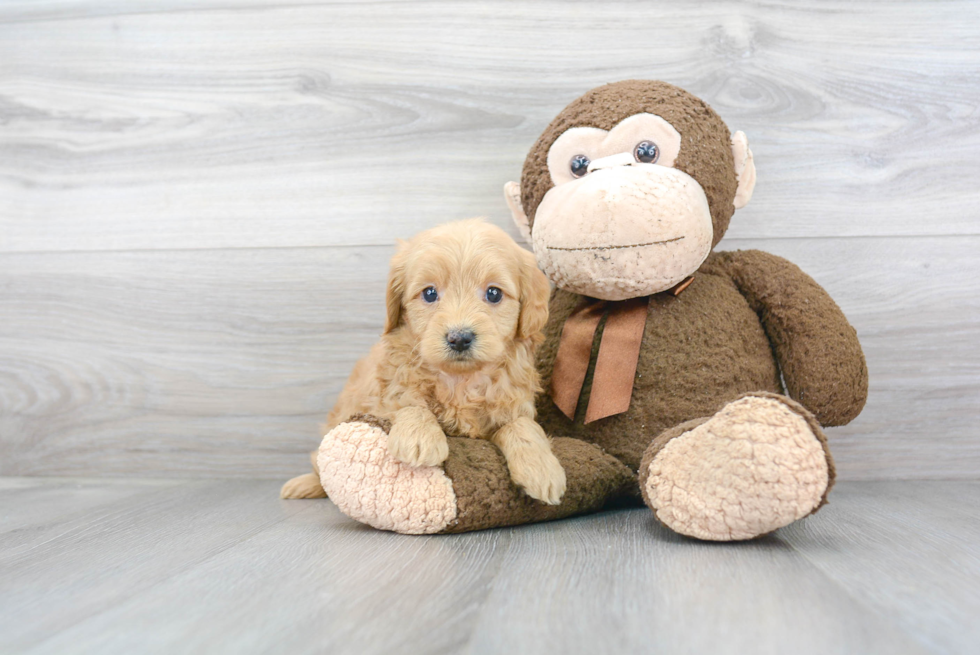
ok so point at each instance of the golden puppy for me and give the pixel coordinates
(466, 306)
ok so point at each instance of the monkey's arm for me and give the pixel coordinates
(817, 349)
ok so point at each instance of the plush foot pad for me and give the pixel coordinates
(753, 467)
(370, 486)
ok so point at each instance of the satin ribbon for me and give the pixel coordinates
(619, 351)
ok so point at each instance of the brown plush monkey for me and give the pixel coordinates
(698, 380)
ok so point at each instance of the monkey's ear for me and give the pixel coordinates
(396, 288)
(512, 194)
(744, 169)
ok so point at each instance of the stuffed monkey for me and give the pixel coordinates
(694, 381)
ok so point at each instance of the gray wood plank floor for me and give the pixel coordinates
(120, 566)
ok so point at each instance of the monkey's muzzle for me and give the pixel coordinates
(623, 231)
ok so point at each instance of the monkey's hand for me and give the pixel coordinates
(817, 349)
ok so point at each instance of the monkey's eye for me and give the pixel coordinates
(579, 165)
(429, 294)
(494, 295)
(646, 152)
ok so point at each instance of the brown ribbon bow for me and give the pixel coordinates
(615, 367)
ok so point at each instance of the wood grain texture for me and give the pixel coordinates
(189, 363)
(198, 200)
(226, 567)
(620, 582)
(29, 504)
(73, 568)
(315, 583)
(223, 363)
(906, 549)
(258, 124)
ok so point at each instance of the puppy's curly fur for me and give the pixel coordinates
(465, 278)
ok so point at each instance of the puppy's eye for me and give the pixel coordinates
(646, 152)
(579, 165)
(494, 295)
(429, 294)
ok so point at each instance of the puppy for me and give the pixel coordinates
(466, 306)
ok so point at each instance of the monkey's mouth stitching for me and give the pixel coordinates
(635, 245)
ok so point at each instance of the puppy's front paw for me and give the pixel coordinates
(417, 439)
(539, 473)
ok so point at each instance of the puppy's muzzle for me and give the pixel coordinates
(460, 340)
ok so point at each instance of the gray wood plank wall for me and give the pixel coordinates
(198, 200)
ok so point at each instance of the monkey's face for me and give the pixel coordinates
(620, 221)
(623, 202)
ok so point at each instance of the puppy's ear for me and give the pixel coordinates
(535, 293)
(396, 287)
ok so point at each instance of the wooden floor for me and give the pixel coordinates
(178, 566)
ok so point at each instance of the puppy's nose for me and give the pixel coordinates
(460, 340)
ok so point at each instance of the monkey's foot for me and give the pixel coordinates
(757, 465)
(370, 486)
(472, 490)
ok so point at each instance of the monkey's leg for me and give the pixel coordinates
(472, 490)
(759, 464)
